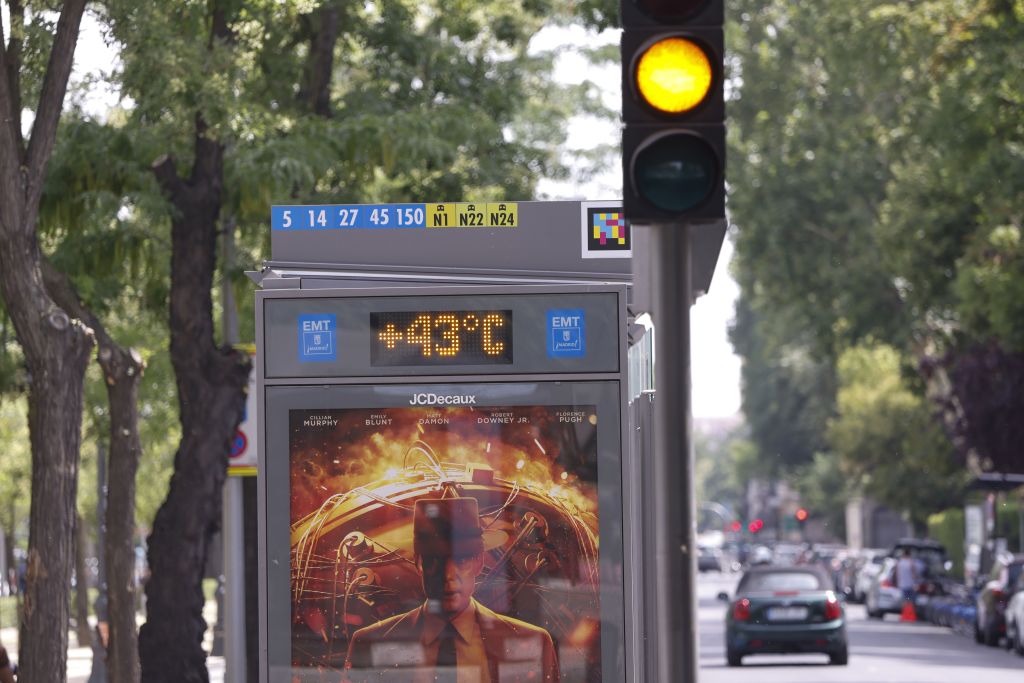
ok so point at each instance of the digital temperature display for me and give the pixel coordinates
(441, 338)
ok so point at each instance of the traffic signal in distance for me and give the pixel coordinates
(755, 526)
(673, 108)
(801, 515)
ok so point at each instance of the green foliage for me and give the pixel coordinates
(824, 487)
(15, 468)
(787, 393)
(947, 527)
(719, 471)
(1008, 521)
(875, 183)
(887, 439)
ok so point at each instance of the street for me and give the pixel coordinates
(880, 651)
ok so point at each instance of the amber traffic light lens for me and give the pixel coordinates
(670, 9)
(674, 75)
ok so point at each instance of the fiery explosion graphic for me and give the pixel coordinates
(355, 478)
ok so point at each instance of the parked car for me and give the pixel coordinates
(933, 566)
(883, 597)
(760, 555)
(782, 610)
(709, 559)
(869, 568)
(1015, 617)
(995, 597)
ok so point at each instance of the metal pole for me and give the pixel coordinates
(233, 620)
(673, 598)
(234, 584)
(98, 674)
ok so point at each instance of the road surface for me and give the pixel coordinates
(880, 651)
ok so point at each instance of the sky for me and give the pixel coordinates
(715, 369)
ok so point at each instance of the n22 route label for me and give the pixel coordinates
(394, 216)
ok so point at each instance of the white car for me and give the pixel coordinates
(1015, 618)
(866, 576)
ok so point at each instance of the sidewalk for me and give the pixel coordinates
(80, 658)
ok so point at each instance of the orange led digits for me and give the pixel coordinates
(492, 347)
(420, 333)
(390, 335)
(449, 324)
(411, 338)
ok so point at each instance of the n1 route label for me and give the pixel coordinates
(395, 216)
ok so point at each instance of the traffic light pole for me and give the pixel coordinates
(671, 600)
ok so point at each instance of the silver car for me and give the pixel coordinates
(883, 596)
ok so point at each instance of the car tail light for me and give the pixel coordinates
(885, 583)
(833, 610)
(741, 610)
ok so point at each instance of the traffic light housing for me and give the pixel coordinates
(801, 515)
(673, 110)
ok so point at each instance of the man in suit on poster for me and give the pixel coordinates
(451, 637)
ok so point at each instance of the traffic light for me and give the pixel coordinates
(801, 515)
(673, 108)
(755, 525)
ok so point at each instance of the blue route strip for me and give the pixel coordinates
(349, 217)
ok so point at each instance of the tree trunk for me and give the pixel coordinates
(82, 630)
(325, 25)
(56, 352)
(122, 371)
(211, 394)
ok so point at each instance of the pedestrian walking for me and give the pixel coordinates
(907, 576)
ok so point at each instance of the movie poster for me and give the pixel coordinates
(455, 543)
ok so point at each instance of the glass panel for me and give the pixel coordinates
(453, 539)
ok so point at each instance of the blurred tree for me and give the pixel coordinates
(878, 199)
(825, 486)
(889, 444)
(718, 475)
(788, 394)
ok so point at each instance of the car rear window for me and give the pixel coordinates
(781, 581)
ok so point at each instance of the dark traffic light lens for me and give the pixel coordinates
(675, 172)
(670, 9)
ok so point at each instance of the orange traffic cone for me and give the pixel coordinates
(908, 613)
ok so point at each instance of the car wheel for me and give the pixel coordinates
(1020, 642)
(875, 613)
(840, 658)
(990, 635)
(733, 658)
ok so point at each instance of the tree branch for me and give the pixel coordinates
(64, 295)
(51, 102)
(9, 131)
(166, 171)
(315, 92)
(13, 69)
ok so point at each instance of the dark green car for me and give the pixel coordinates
(780, 610)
